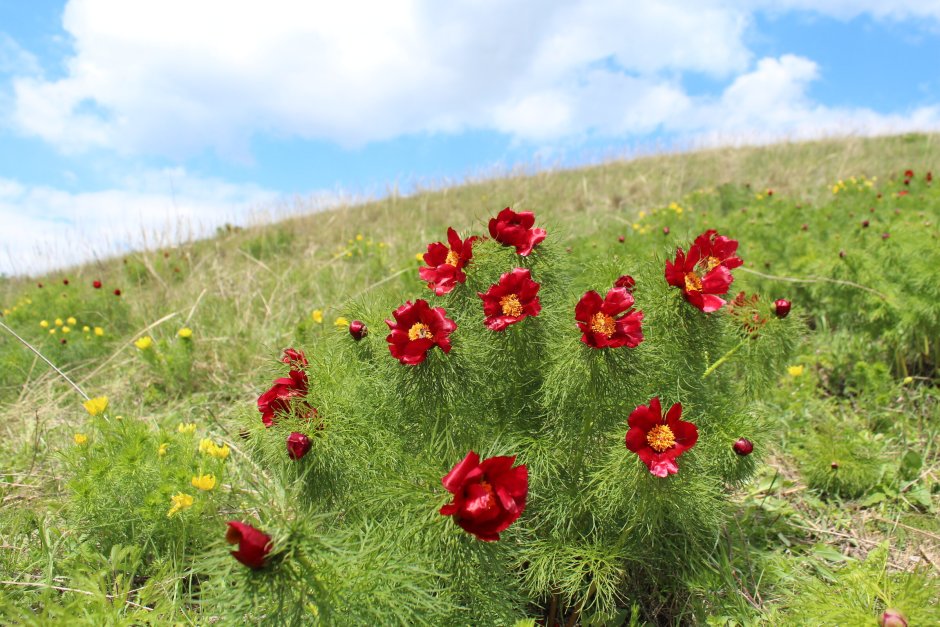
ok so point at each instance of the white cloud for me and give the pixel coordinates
(14, 59)
(55, 228)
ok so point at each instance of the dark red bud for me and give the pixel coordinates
(892, 618)
(117, 292)
(782, 307)
(665, 230)
(298, 445)
(358, 329)
(39, 285)
(770, 192)
(743, 447)
(166, 255)
(864, 224)
(65, 281)
(908, 174)
(842, 254)
(626, 282)
(805, 227)
(834, 465)
(929, 177)
(621, 239)
(63, 341)
(907, 181)
(96, 285)
(871, 210)
(885, 235)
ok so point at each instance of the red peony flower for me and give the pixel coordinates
(514, 298)
(298, 445)
(626, 282)
(417, 329)
(599, 322)
(488, 497)
(658, 441)
(704, 274)
(358, 329)
(908, 174)
(515, 229)
(96, 284)
(295, 358)
(278, 398)
(253, 545)
(446, 262)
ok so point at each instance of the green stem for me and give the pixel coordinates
(723, 359)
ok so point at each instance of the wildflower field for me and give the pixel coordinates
(686, 389)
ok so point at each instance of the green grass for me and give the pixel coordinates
(70, 547)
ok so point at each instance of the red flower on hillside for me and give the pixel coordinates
(659, 440)
(253, 545)
(704, 273)
(512, 299)
(96, 284)
(908, 174)
(446, 262)
(298, 445)
(417, 329)
(488, 496)
(515, 229)
(278, 399)
(609, 322)
(295, 358)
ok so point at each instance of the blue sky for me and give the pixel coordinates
(120, 122)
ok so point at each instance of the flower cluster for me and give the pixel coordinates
(704, 272)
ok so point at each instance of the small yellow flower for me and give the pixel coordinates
(80, 439)
(7, 312)
(52, 331)
(96, 406)
(419, 256)
(163, 449)
(908, 380)
(144, 343)
(179, 502)
(636, 227)
(835, 189)
(187, 427)
(317, 316)
(99, 331)
(205, 444)
(66, 329)
(58, 322)
(204, 482)
(72, 321)
(381, 244)
(641, 215)
(86, 329)
(220, 452)
(341, 322)
(359, 237)
(119, 418)
(44, 324)
(349, 253)
(795, 371)
(185, 333)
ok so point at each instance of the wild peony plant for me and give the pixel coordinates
(563, 456)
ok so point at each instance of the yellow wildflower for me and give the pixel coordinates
(144, 343)
(72, 321)
(381, 244)
(795, 371)
(359, 237)
(86, 329)
(58, 322)
(835, 189)
(185, 333)
(341, 322)
(7, 312)
(99, 331)
(66, 329)
(187, 427)
(163, 449)
(317, 316)
(44, 324)
(907, 380)
(80, 439)
(419, 256)
(179, 502)
(52, 331)
(204, 482)
(219, 452)
(96, 406)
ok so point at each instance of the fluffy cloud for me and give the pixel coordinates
(55, 228)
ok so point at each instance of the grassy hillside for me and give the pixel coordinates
(846, 504)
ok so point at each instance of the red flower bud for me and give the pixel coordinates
(782, 307)
(39, 285)
(865, 224)
(117, 292)
(892, 618)
(488, 496)
(253, 545)
(842, 254)
(743, 447)
(358, 329)
(908, 174)
(621, 239)
(96, 285)
(63, 341)
(770, 192)
(626, 282)
(834, 465)
(298, 445)
(805, 227)
(907, 181)
(665, 230)
(929, 177)
(294, 358)
(885, 235)
(65, 281)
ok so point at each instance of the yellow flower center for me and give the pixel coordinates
(452, 258)
(511, 305)
(661, 438)
(602, 323)
(711, 263)
(419, 331)
(693, 282)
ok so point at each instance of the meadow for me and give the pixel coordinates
(121, 512)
